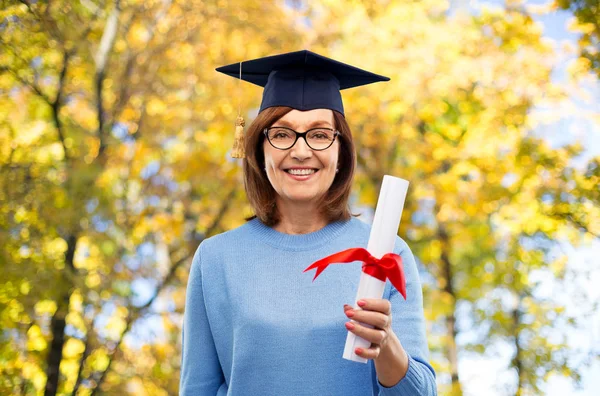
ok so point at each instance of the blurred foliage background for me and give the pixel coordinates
(114, 139)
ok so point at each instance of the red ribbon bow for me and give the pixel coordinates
(387, 267)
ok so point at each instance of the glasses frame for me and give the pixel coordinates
(300, 135)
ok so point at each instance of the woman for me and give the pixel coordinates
(254, 323)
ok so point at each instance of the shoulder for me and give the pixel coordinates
(360, 228)
(224, 239)
(401, 247)
(360, 225)
(214, 246)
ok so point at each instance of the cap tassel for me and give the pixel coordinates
(238, 150)
(238, 142)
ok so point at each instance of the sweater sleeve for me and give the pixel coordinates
(201, 372)
(408, 323)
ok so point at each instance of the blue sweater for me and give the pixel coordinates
(255, 324)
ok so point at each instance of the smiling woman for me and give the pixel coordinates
(267, 190)
(253, 324)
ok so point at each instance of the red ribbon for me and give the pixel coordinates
(387, 267)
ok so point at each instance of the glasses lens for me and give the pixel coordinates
(281, 137)
(320, 139)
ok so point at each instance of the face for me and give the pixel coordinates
(318, 167)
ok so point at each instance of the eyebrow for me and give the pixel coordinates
(312, 124)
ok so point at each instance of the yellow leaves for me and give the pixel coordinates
(35, 339)
(447, 213)
(35, 374)
(98, 360)
(76, 302)
(53, 152)
(115, 327)
(576, 26)
(93, 280)
(30, 135)
(579, 67)
(73, 348)
(82, 112)
(448, 76)
(25, 287)
(430, 111)
(14, 311)
(442, 304)
(122, 311)
(45, 307)
(56, 247)
(432, 252)
(559, 266)
(170, 227)
(93, 145)
(156, 107)
(20, 215)
(81, 254)
(138, 36)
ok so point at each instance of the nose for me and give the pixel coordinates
(300, 150)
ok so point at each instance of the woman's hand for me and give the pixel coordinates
(390, 358)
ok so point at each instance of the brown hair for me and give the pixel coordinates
(260, 192)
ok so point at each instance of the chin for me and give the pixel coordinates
(302, 197)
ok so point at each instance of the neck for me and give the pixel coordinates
(299, 218)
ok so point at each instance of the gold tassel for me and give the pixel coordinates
(238, 142)
(238, 150)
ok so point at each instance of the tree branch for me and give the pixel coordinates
(47, 22)
(31, 85)
(84, 356)
(101, 59)
(136, 313)
(57, 103)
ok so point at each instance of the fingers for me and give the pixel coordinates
(376, 304)
(375, 336)
(375, 319)
(371, 312)
(375, 312)
(369, 353)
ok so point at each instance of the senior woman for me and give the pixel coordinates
(254, 323)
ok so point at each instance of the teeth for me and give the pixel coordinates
(301, 171)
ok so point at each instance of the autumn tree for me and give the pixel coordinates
(587, 14)
(115, 135)
(114, 138)
(456, 121)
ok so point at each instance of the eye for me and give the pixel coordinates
(279, 133)
(321, 134)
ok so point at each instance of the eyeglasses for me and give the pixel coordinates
(283, 138)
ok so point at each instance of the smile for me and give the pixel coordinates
(301, 174)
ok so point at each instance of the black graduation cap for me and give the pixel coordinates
(302, 80)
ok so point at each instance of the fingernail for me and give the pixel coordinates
(361, 303)
(349, 313)
(349, 326)
(358, 351)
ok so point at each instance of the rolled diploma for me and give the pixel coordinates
(381, 241)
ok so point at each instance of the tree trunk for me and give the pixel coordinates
(58, 323)
(57, 327)
(517, 361)
(451, 348)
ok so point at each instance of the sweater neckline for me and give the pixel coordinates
(297, 242)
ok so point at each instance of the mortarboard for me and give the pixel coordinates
(302, 80)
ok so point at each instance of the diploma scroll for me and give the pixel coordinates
(381, 241)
